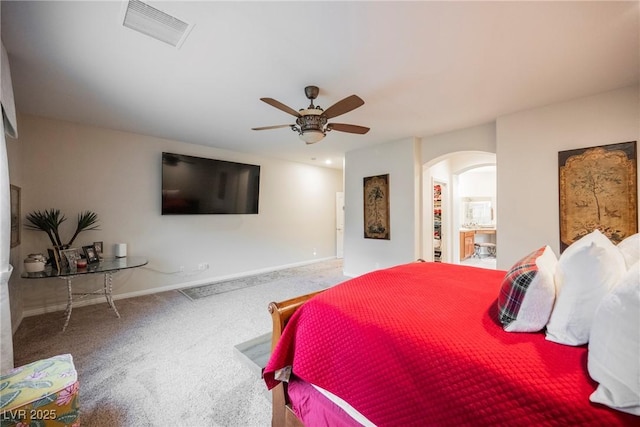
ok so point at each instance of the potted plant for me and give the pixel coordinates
(50, 220)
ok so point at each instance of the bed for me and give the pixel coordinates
(421, 344)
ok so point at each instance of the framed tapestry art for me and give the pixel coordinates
(598, 189)
(376, 207)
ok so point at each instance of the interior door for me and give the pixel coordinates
(339, 224)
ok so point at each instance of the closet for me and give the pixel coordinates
(437, 222)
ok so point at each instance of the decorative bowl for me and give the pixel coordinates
(33, 265)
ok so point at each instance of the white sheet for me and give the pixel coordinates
(350, 410)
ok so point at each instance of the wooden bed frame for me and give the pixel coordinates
(281, 312)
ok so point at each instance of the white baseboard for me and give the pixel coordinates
(174, 287)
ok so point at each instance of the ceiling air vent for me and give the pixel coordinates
(155, 23)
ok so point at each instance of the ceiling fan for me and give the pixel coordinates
(311, 123)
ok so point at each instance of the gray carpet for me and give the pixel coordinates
(316, 272)
(169, 361)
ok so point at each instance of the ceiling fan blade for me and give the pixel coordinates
(342, 127)
(280, 106)
(272, 127)
(349, 103)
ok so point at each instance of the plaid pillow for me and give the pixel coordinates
(527, 292)
(514, 286)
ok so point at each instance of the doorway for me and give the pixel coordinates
(477, 200)
(447, 170)
(439, 193)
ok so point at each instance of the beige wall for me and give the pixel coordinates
(481, 138)
(75, 167)
(399, 159)
(526, 146)
(528, 143)
(443, 157)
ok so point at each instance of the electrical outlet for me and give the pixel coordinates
(203, 266)
(181, 268)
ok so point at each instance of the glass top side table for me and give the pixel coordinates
(106, 266)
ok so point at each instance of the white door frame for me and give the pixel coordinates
(339, 224)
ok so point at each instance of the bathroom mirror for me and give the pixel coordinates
(477, 211)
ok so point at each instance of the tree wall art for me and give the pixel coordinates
(598, 190)
(376, 207)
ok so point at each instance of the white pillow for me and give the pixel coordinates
(587, 270)
(527, 292)
(630, 249)
(614, 346)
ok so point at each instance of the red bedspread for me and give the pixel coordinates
(420, 344)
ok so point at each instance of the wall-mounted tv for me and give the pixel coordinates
(196, 185)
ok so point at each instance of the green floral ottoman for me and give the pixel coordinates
(42, 393)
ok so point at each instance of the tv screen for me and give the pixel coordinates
(195, 185)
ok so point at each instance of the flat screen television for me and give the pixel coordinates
(196, 185)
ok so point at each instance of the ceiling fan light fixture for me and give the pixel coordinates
(311, 123)
(311, 127)
(312, 136)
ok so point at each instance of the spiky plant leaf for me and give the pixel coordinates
(87, 220)
(48, 221)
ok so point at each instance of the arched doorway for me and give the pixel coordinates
(442, 239)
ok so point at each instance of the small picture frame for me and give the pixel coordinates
(72, 255)
(98, 247)
(91, 254)
(54, 258)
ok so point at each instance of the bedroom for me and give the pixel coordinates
(56, 159)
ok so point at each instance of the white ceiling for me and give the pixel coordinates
(422, 68)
